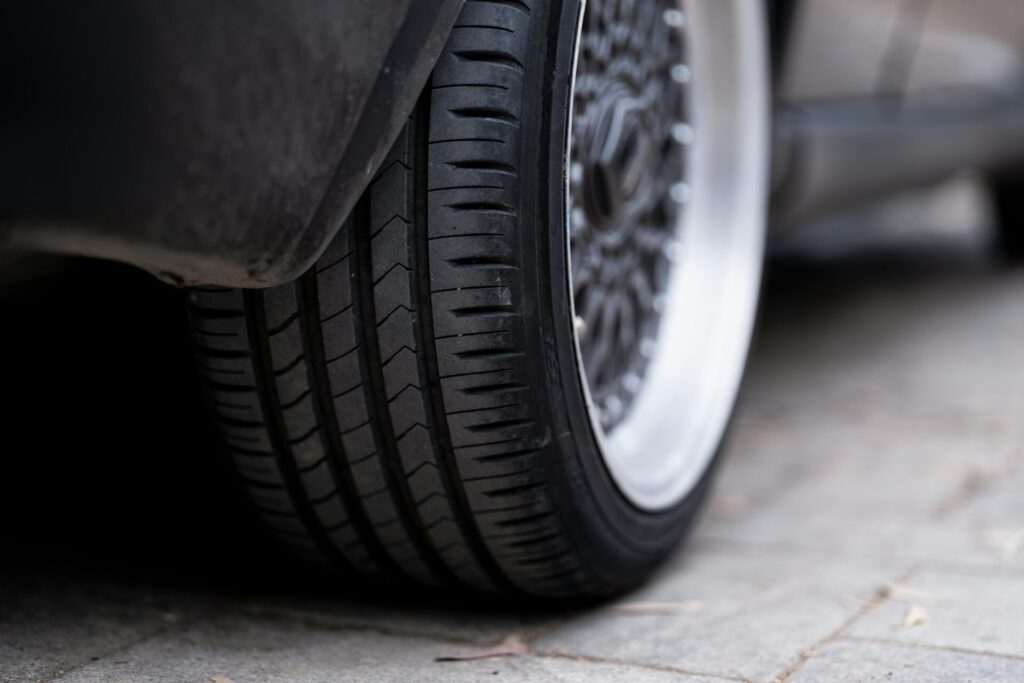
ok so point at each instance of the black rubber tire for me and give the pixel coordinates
(410, 409)
(1008, 193)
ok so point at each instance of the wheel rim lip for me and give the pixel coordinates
(660, 451)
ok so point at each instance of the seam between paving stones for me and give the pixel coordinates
(914, 645)
(881, 595)
(635, 665)
(328, 624)
(529, 634)
(331, 624)
(154, 633)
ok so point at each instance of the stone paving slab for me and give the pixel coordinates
(745, 615)
(995, 519)
(864, 662)
(882, 458)
(968, 611)
(47, 627)
(458, 622)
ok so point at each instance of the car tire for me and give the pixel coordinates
(1008, 196)
(416, 407)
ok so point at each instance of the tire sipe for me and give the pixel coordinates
(417, 407)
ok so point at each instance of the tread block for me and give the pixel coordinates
(474, 392)
(474, 311)
(343, 374)
(392, 295)
(359, 443)
(280, 305)
(292, 381)
(478, 353)
(339, 334)
(391, 248)
(455, 213)
(407, 411)
(492, 425)
(334, 288)
(389, 194)
(319, 482)
(300, 420)
(236, 406)
(258, 469)
(401, 371)
(397, 332)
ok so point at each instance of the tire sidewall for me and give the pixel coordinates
(617, 541)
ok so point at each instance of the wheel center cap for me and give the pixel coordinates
(619, 161)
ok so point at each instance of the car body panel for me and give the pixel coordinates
(836, 49)
(977, 45)
(939, 87)
(224, 143)
(873, 48)
(205, 140)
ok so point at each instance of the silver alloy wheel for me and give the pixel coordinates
(667, 187)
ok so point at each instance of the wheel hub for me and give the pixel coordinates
(629, 131)
(616, 169)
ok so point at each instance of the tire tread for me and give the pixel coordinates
(378, 408)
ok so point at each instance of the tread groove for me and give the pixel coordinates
(485, 207)
(264, 375)
(440, 434)
(490, 57)
(377, 394)
(337, 460)
(486, 114)
(485, 165)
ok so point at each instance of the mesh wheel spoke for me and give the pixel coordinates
(627, 156)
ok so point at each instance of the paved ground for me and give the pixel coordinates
(869, 526)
